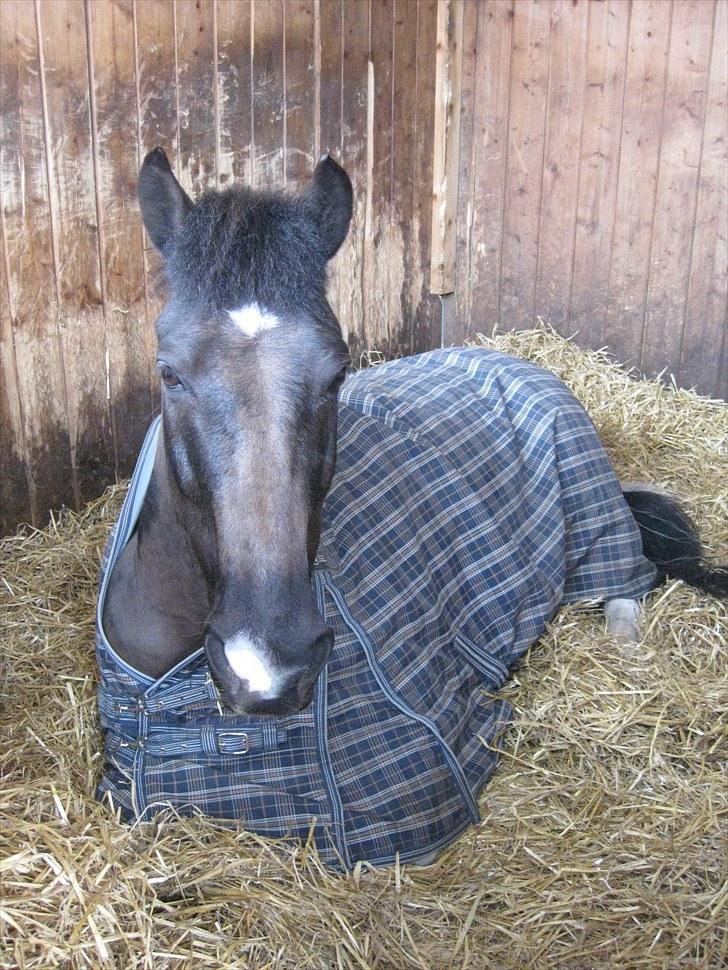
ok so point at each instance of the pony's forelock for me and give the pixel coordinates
(239, 247)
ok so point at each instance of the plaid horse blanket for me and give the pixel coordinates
(471, 498)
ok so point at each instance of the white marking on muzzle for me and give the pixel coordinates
(252, 320)
(247, 659)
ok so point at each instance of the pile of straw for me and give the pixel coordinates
(603, 834)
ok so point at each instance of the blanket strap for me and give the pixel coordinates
(129, 720)
(209, 739)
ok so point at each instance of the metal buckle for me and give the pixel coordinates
(235, 734)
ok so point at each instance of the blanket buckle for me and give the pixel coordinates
(244, 741)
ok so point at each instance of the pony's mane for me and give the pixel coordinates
(239, 246)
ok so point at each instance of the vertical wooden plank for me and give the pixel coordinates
(467, 169)
(405, 270)
(36, 470)
(605, 77)
(157, 126)
(529, 86)
(156, 77)
(30, 328)
(14, 483)
(721, 387)
(642, 120)
(677, 186)
(300, 93)
(560, 176)
(380, 233)
(483, 209)
(706, 316)
(196, 94)
(329, 24)
(64, 71)
(447, 141)
(234, 84)
(355, 74)
(426, 323)
(268, 93)
(111, 46)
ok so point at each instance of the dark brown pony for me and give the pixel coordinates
(251, 357)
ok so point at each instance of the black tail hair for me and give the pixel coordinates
(670, 541)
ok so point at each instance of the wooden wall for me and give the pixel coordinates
(579, 175)
(593, 178)
(254, 91)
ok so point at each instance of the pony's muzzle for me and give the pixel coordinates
(252, 680)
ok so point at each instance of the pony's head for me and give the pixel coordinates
(251, 358)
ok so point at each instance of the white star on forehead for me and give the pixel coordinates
(252, 320)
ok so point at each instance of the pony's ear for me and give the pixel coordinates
(328, 198)
(164, 203)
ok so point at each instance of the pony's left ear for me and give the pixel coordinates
(163, 201)
(328, 198)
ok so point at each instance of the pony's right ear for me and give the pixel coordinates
(328, 198)
(164, 203)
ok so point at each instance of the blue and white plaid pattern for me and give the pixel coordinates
(472, 497)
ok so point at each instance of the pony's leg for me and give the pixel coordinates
(623, 619)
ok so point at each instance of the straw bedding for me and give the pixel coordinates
(603, 841)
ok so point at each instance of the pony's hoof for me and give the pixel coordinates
(623, 620)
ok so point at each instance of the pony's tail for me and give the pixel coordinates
(670, 541)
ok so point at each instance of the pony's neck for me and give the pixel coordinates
(158, 598)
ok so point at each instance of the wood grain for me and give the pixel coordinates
(449, 55)
(529, 69)
(156, 74)
(331, 82)
(268, 69)
(196, 95)
(354, 138)
(64, 72)
(467, 168)
(406, 281)
(599, 161)
(590, 187)
(382, 241)
(677, 184)
(234, 87)
(116, 159)
(300, 93)
(483, 176)
(561, 158)
(328, 28)
(14, 482)
(642, 121)
(703, 359)
(425, 325)
(36, 446)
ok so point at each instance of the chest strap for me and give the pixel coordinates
(129, 721)
(191, 692)
(208, 739)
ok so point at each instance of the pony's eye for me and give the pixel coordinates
(168, 376)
